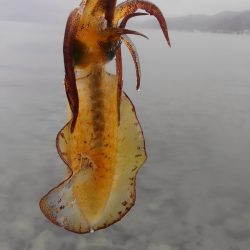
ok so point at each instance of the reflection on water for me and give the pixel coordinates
(193, 192)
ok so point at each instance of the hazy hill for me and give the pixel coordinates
(226, 22)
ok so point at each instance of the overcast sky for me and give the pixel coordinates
(186, 7)
(56, 10)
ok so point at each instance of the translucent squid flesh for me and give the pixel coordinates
(102, 143)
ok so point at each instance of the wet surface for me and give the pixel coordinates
(193, 192)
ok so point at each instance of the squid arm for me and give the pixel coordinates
(129, 7)
(102, 143)
(120, 31)
(68, 50)
(132, 50)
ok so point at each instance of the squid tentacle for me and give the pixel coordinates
(68, 51)
(120, 31)
(126, 18)
(129, 7)
(119, 59)
(118, 52)
(132, 49)
(110, 11)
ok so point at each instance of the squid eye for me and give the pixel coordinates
(109, 48)
(79, 52)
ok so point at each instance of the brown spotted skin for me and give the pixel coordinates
(97, 125)
(102, 143)
(131, 151)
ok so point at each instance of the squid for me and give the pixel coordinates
(102, 143)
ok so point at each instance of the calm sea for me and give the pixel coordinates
(194, 106)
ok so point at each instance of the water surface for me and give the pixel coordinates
(192, 194)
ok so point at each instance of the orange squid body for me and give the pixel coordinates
(102, 143)
(104, 157)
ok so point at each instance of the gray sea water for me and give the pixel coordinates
(194, 106)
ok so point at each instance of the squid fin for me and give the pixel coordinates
(130, 157)
(61, 206)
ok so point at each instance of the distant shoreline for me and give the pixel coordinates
(227, 22)
(213, 32)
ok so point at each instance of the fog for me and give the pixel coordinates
(51, 11)
(194, 107)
